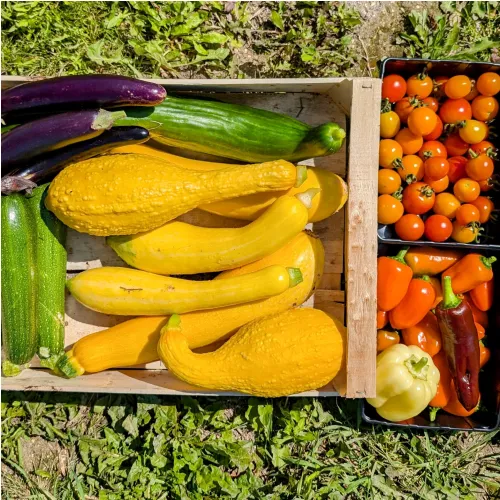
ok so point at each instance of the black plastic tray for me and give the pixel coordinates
(486, 420)
(406, 68)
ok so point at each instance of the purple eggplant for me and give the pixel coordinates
(78, 92)
(53, 132)
(47, 166)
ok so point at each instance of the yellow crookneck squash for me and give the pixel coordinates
(330, 199)
(278, 355)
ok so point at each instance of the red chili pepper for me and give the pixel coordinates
(460, 344)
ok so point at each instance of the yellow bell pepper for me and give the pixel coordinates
(407, 380)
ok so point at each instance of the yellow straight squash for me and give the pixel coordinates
(129, 292)
(180, 248)
(130, 193)
(278, 355)
(135, 341)
(329, 200)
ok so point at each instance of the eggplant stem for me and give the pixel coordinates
(450, 300)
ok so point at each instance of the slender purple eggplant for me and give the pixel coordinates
(53, 132)
(78, 92)
(460, 343)
(47, 166)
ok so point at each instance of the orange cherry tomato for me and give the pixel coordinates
(484, 147)
(473, 131)
(432, 148)
(458, 86)
(422, 121)
(455, 145)
(419, 85)
(431, 103)
(412, 169)
(484, 108)
(438, 228)
(481, 332)
(485, 207)
(405, 106)
(436, 133)
(467, 213)
(385, 339)
(446, 204)
(393, 88)
(438, 185)
(466, 190)
(418, 198)
(410, 227)
(486, 185)
(390, 210)
(382, 319)
(480, 168)
(409, 142)
(388, 181)
(389, 152)
(389, 124)
(464, 234)
(436, 167)
(488, 84)
(473, 93)
(455, 110)
(439, 84)
(457, 168)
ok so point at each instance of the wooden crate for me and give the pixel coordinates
(348, 288)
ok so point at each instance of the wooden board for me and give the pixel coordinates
(330, 102)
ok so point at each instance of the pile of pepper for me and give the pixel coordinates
(436, 300)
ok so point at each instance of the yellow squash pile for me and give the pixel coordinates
(267, 269)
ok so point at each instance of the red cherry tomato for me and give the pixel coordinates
(405, 106)
(484, 108)
(467, 213)
(431, 103)
(458, 86)
(432, 148)
(485, 207)
(438, 185)
(455, 110)
(419, 85)
(480, 168)
(455, 145)
(422, 121)
(393, 88)
(438, 228)
(488, 84)
(473, 131)
(436, 167)
(457, 168)
(410, 227)
(436, 133)
(418, 198)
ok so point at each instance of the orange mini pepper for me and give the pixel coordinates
(431, 261)
(470, 271)
(455, 407)
(436, 283)
(382, 319)
(480, 317)
(415, 305)
(385, 339)
(425, 334)
(444, 391)
(481, 332)
(482, 295)
(393, 279)
(484, 354)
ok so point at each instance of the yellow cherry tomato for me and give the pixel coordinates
(389, 124)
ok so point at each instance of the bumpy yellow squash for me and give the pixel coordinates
(278, 355)
(129, 292)
(135, 341)
(131, 193)
(180, 248)
(330, 199)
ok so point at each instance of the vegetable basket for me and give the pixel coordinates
(348, 287)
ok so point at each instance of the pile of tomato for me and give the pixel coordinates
(436, 156)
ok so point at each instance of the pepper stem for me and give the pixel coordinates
(450, 300)
(432, 413)
(418, 368)
(488, 261)
(400, 257)
(295, 276)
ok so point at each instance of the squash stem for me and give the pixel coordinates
(306, 197)
(69, 366)
(295, 276)
(174, 322)
(301, 175)
(10, 369)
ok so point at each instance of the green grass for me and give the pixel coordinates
(124, 447)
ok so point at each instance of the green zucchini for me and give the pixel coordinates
(50, 278)
(234, 131)
(19, 334)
